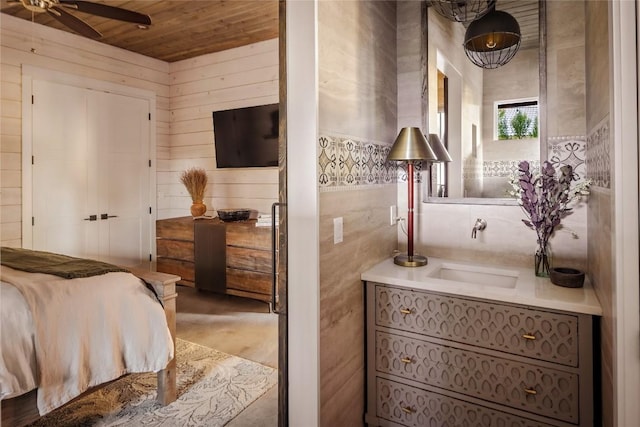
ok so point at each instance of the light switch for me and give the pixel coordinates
(337, 230)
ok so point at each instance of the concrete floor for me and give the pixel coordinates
(239, 326)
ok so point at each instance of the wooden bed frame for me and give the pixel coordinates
(23, 410)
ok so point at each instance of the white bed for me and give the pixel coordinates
(62, 337)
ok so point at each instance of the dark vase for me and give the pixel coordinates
(543, 261)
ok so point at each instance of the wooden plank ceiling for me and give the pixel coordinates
(526, 13)
(180, 29)
(184, 29)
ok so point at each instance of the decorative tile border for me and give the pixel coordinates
(346, 163)
(504, 168)
(472, 169)
(569, 150)
(598, 155)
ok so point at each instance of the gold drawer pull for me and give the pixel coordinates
(529, 337)
(530, 391)
(406, 360)
(408, 409)
(406, 311)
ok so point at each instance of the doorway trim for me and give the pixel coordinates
(623, 21)
(30, 73)
(303, 263)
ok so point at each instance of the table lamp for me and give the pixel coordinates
(443, 157)
(410, 146)
(438, 148)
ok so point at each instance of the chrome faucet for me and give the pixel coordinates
(480, 224)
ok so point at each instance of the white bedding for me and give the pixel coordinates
(18, 359)
(65, 336)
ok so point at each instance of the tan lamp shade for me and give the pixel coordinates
(439, 149)
(411, 145)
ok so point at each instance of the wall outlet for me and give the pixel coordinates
(393, 215)
(337, 230)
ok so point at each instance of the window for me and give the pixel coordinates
(516, 119)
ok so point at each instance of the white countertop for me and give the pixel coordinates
(528, 290)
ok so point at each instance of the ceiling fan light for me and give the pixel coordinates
(493, 40)
(462, 10)
(37, 6)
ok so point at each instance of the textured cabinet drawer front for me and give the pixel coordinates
(547, 392)
(414, 407)
(249, 259)
(249, 281)
(176, 249)
(532, 333)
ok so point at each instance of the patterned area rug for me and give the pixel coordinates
(213, 388)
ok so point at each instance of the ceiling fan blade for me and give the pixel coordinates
(76, 24)
(107, 11)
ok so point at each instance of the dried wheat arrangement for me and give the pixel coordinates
(195, 180)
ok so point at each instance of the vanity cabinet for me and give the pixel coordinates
(435, 359)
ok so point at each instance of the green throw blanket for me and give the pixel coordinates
(56, 264)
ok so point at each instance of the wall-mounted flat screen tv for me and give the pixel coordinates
(246, 137)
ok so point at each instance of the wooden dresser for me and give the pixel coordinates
(233, 258)
(175, 248)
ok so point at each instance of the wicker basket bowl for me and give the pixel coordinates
(567, 277)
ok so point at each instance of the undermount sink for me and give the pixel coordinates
(478, 275)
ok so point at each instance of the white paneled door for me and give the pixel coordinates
(91, 174)
(60, 169)
(119, 131)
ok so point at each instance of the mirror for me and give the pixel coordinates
(489, 119)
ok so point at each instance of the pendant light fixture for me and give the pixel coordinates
(493, 40)
(462, 10)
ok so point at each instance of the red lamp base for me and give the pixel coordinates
(410, 260)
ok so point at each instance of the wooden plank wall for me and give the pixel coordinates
(242, 77)
(23, 43)
(186, 94)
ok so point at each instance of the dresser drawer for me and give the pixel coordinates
(548, 392)
(175, 228)
(414, 407)
(542, 335)
(176, 249)
(249, 259)
(249, 281)
(184, 269)
(247, 235)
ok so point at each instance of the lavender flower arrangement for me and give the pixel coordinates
(545, 200)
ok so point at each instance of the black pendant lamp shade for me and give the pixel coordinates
(462, 10)
(492, 40)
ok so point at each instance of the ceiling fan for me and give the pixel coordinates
(58, 10)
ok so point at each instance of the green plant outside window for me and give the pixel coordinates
(517, 120)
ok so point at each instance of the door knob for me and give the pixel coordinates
(92, 218)
(107, 216)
